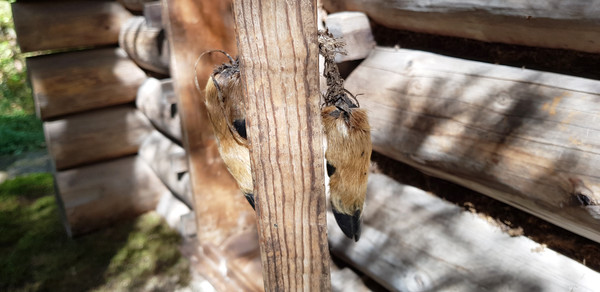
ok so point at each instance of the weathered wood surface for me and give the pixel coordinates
(146, 45)
(73, 82)
(240, 252)
(573, 25)
(158, 101)
(413, 241)
(194, 27)
(527, 138)
(284, 124)
(98, 195)
(354, 29)
(172, 209)
(51, 25)
(169, 162)
(95, 136)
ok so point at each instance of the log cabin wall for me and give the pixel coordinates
(124, 143)
(85, 89)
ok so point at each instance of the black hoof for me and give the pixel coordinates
(250, 198)
(349, 224)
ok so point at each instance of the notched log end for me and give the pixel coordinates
(586, 198)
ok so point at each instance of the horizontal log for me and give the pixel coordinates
(172, 209)
(98, 195)
(527, 138)
(51, 25)
(95, 136)
(354, 29)
(78, 81)
(146, 45)
(158, 101)
(572, 25)
(413, 241)
(169, 162)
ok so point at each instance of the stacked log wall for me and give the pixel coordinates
(84, 89)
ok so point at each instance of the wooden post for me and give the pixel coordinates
(277, 45)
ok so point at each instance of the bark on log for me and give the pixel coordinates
(527, 138)
(198, 26)
(146, 45)
(158, 101)
(413, 241)
(573, 25)
(51, 25)
(95, 136)
(169, 162)
(281, 87)
(98, 195)
(78, 81)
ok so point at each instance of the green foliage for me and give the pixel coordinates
(38, 256)
(20, 133)
(15, 94)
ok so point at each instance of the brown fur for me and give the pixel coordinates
(349, 151)
(233, 150)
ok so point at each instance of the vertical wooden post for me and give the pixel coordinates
(277, 45)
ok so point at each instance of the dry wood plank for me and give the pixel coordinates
(158, 101)
(527, 138)
(192, 28)
(414, 241)
(169, 162)
(95, 136)
(286, 138)
(573, 25)
(51, 25)
(78, 81)
(98, 195)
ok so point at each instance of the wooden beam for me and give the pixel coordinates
(193, 27)
(158, 101)
(51, 25)
(525, 137)
(556, 24)
(413, 241)
(278, 51)
(98, 195)
(169, 162)
(95, 136)
(78, 81)
(145, 44)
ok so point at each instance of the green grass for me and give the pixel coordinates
(38, 256)
(20, 133)
(20, 130)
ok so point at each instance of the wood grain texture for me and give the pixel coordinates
(98, 195)
(525, 137)
(413, 241)
(78, 81)
(51, 25)
(572, 25)
(194, 27)
(169, 162)
(279, 68)
(145, 44)
(95, 136)
(158, 101)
